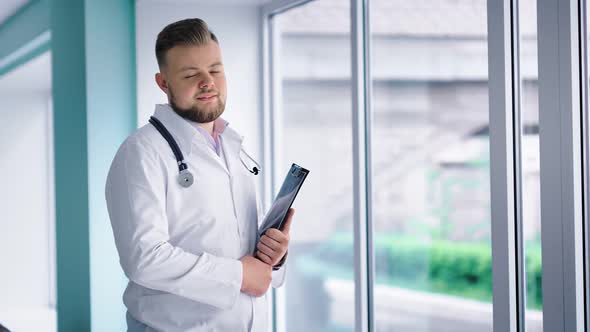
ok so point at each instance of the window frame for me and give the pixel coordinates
(504, 92)
(560, 135)
(584, 77)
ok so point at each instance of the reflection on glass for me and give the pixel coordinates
(315, 131)
(275, 216)
(431, 166)
(531, 181)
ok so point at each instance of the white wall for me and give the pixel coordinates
(238, 30)
(25, 175)
(27, 226)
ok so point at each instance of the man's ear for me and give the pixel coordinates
(162, 83)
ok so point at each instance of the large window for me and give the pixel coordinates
(431, 166)
(467, 113)
(313, 129)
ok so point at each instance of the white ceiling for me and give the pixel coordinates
(35, 76)
(9, 7)
(32, 77)
(209, 2)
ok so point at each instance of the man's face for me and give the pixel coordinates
(194, 80)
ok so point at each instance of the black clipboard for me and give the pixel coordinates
(275, 216)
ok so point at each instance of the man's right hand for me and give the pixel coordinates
(256, 276)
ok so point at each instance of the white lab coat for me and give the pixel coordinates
(180, 247)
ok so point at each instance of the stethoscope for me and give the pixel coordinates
(185, 177)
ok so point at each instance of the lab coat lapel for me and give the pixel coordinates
(243, 190)
(231, 150)
(208, 153)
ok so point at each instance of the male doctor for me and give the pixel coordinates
(188, 249)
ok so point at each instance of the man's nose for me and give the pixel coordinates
(206, 82)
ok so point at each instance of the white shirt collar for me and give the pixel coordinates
(184, 131)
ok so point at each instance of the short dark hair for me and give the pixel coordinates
(191, 31)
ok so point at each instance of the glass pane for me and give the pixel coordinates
(431, 166)
(530, 154)
(315, 131)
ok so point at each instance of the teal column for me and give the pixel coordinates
(94, 97)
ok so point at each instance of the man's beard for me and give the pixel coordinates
(197, 114)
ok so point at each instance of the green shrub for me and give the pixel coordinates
(454, 268)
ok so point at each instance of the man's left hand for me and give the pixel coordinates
(274, 243)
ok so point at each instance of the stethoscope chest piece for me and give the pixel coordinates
(185, 178)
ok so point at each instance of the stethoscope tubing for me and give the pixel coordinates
(185, 177)
(171, 141)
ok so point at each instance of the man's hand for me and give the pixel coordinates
(256, 276)
(273, 244)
